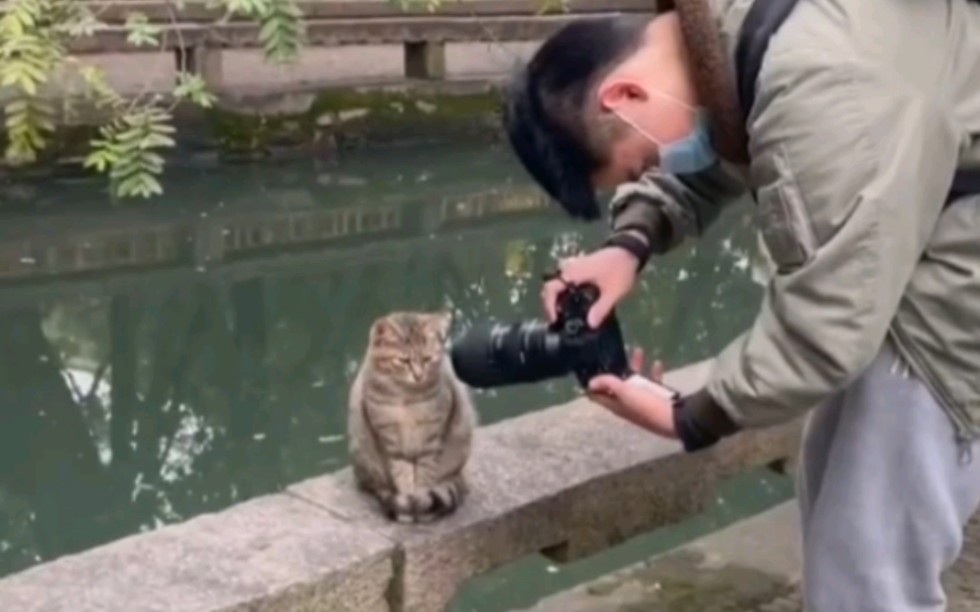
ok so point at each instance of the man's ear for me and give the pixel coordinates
(615, 92)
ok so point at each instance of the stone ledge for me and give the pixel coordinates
(567, 481)
(269, 553)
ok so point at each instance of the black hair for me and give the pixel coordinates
(546, 108)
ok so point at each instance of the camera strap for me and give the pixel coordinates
(761, 22)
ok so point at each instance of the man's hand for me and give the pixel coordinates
(656, 368)
(633, 402)
(611, 269)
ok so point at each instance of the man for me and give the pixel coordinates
(863, 112)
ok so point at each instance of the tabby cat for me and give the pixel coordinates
(410, 420)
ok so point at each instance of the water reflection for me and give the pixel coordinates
(169, 359)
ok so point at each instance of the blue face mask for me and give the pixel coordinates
(686, 155)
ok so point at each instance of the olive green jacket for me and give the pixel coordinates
(864, 108)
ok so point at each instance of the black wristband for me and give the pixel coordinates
(633, 245)
(640, 229)
(692, 437)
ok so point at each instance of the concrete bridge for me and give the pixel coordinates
(370, 71)
(347, 42)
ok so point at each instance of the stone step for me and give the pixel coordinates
(751, 566)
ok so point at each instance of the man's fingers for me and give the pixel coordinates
(657, 371)
(549, 294)
(636, 360)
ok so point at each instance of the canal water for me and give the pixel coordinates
(168, 358)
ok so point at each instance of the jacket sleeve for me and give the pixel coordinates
(666, 209)
(852, 167)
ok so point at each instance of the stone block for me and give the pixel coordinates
(777, 447)
(500, 521)
(273, 553)
(470, 59)
(599, 457)
(540, 482)
(247, 70)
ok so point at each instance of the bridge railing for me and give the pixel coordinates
(567, 482)
(196, 33)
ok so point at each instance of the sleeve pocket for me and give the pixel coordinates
(785, 225)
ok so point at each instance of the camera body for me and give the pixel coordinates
(492, 355)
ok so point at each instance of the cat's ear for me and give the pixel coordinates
(441, 322)
(383, 332)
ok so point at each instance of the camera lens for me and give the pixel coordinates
(493, 355)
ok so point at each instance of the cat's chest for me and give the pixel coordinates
(408, 413)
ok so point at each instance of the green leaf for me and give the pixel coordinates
(157, 140)
(192, 87)
(14, 121)
(163, 128)
(100, 159)
(142, 184)
(18, 154)
(17, 107)
(45, 122)
(140, 31)
(87, 25)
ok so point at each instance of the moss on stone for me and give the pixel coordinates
(63, 154)
(317, 123)
(397, 104)
(684, 582)
(349, 117)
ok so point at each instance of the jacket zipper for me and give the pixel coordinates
(966, 431)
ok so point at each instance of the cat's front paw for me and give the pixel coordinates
(441, 500)
(415, 507)
(424, 506)
(401, 508)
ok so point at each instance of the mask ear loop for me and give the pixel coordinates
(645, 133)
(641, 131)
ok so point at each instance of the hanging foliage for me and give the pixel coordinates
(35, 42)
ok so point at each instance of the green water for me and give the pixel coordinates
(170, 358)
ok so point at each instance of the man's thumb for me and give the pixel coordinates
(599, 310)
(605, 384)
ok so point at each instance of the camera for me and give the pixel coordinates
(493, 354)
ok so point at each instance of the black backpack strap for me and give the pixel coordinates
(762, 20)
(965, 182)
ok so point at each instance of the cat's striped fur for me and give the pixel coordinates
(410, 420)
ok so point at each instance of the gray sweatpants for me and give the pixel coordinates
(885, 492)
